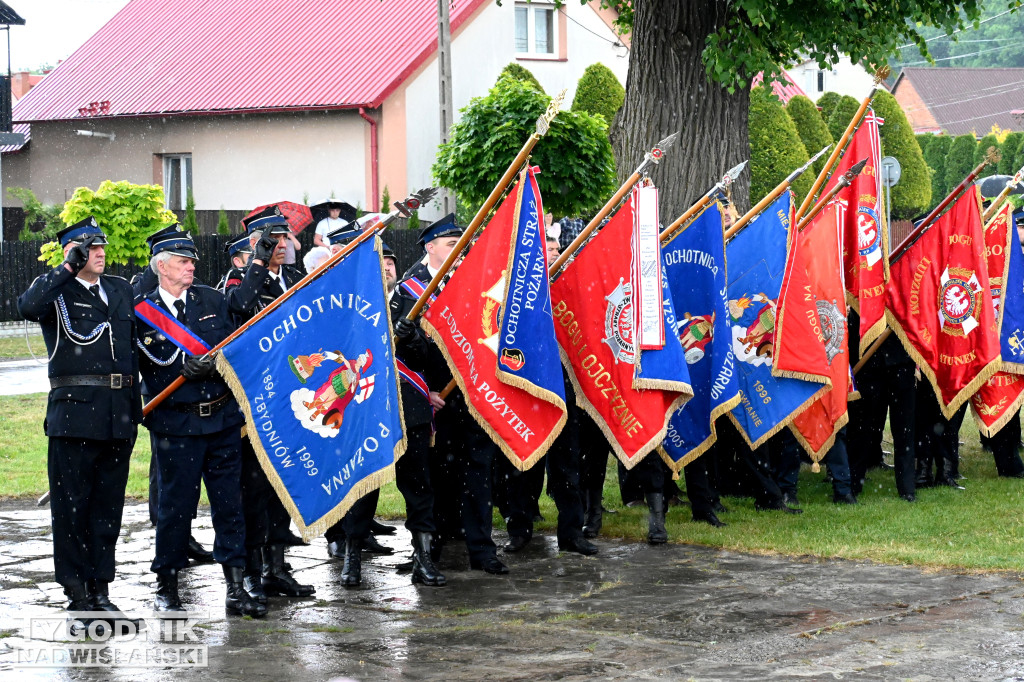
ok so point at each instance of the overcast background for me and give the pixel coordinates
(55, 28)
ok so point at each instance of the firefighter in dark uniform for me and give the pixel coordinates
(266, 522)
(92, 412)
(239, 251)
(197, 429)
(462, 458)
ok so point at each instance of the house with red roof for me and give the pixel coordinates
(241, 102)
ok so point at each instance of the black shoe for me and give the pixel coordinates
(516, 543)
(579, 546)
(719, 508)
(252, 575)
(709, 518)
(848, 498)
(352, 572)
(949, 483)
(423, 569)
(277, 579)
(99, 600)
(78, 604)
(238, 600)
(370, 544)
(378, 528)
(336, 549)
(790, 499)
(656, 532)
(777, 505)
(167, 601)
(909, 497)
(197, 552)
(294, 540)
(490, 565)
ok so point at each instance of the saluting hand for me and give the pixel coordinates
(78, 255)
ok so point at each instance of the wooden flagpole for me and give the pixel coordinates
(729, 177)
(1002, 196)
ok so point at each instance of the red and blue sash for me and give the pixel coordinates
(176, 332)
(414, 378)
(415, 288)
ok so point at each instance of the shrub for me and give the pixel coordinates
(990, 140)
(923, 140)
(1009, 149)
(960, 160)
(841, 115)
(37, 213)
(521, 74)
(223, 226)
(191, 225)
(811, 128)
(599, 92)
(913, 194)
(935, 157)
(775, 147)
(827, 104)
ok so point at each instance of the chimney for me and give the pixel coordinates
(20, 84)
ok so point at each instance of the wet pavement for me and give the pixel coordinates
(632, 612)
(18, 377)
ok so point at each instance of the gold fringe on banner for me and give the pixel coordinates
(829, 442)
(1009, 414)
(696, 452)
(781, 425)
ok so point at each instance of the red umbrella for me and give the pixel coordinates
(297, 215)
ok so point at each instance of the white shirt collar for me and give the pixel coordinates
(169, 300)
(87, 285)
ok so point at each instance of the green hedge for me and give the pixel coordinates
(989, 140)
(775, 147)
(923, 140)
(960, 160)
(521, 74)
(913, 194)
(840, 117)
(811, 128)
(935, 157)
(827, 104)
(1009, 149)
(599, 92)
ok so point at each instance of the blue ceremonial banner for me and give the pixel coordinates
(1011, 333)
(757, 263)
(694, 265)
(527, 328)
(664, 368)
(316, 379)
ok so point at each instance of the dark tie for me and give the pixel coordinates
(179, 305)
(95, 290)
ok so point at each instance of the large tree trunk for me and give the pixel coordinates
(667, 90)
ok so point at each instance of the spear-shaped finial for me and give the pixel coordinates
(545, 119)
(654, 156)
(800, 171)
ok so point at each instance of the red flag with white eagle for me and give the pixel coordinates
(810, 339)
(865, 235)
(999, 398)
(939, 303)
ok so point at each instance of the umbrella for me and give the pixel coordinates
(319, 211)
(994, 184)
(297, 215)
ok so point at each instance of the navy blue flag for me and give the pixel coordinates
(1011, 334)
(757, 263)
(316, 379)
(694, 265)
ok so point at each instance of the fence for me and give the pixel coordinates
(19, 263)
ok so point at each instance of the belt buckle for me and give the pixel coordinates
(205, 409)
(115, 381)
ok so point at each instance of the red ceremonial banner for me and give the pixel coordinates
(810, 340)
(865, 235)
(998, 400)
(939, 303)
(592, 306)
(523, 421)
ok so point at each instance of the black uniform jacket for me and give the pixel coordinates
(85, 336)
(206, 315)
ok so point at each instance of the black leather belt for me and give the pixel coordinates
(114, 381)
(203, 409)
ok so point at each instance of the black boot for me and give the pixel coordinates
(378, 528)
(656, 533)
(595, 514)
(351, 572)
(79, 603)
(252, 575)
(167, 601)
(950, 473)
(423, 568)
(238, 599)
(99, 600)
(923, 473)
(277, 579)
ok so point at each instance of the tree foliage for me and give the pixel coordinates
(960, 161)
(578, 172)
(37, 213)
(923, 140)
(223, 225)
(913, 193)
(521, 74)
(995, 43)
(841, 116)
(935, 157)
(191, 225)
(775, 147)
(127, 214)
(599, 92)
(811, 128)
(990, 140)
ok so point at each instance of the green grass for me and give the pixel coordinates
(979, 528)
(16, 347)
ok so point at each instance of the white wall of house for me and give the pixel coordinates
(845, 78)
(238, 162)
(480, 50)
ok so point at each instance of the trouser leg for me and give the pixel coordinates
(256, 493)
(412, 474)
(222, 473)
(181, 468)
(902, 405)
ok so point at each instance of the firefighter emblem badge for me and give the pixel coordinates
(618, 323)
(833, 328)
(958, 301)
